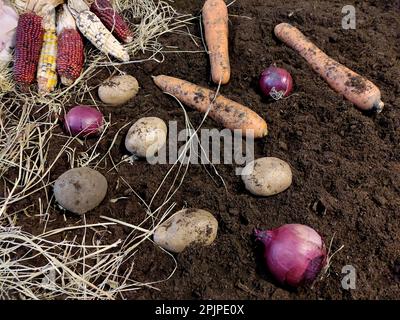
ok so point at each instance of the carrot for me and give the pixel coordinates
(358, 90)
(226, 112)
(215, 20)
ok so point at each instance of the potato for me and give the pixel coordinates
(187, 227)
(80, 190)
(118, 90)
(146, 137)
(269, 176)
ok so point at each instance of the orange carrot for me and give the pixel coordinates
(226, 112)
(215, 20)
(358, 90)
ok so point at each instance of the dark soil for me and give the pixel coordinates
(346, 164)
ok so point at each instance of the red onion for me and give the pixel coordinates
(294, 253)
(84, 120)
(276, 82)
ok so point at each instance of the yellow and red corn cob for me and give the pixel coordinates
(46, 73)
(28, 44)
(95, 31)
(112, 20)
(70, 56)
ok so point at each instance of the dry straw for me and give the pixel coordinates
(77, 262)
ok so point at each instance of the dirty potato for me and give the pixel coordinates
(146, 137)
(187, 227)
(80, 190)
(118, 90)
(267, 176)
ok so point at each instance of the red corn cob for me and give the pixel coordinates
(70, 56)
(29, 40)
(112, 20)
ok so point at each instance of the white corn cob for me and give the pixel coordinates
(46, 72)
(95, 31)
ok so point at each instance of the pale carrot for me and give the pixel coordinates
(226, 112)
(358, 90)
(215, 21)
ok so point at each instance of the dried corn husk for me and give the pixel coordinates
(8, 28)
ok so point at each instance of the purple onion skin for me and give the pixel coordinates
(84, 121)
(276, 83)
(294, 253)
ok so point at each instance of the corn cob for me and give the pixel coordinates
(95, 31)
(112, 20)
(70, 56)
(29, 40)
(46, 73)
